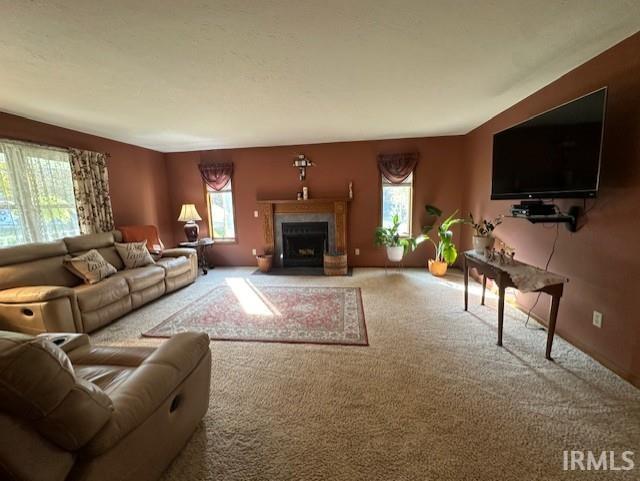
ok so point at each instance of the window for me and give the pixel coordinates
(221, 215)
(37, 202)
(397, 199)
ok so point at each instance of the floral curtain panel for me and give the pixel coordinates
(397, 167)
(91, 187)
(216, 174)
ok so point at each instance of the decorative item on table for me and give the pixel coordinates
(265, 261)
(446, 252)
(502, 252)
(351, 190)
(302, 163)
(299, 196)
(390, 238)
(510, 254)
(305, 193)
(189, 215)
(483, 236)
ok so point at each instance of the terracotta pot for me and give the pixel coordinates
(482, 243)
(265, 262)
(394, 254)
(437, 268)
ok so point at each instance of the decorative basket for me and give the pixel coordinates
(265, 262)
(335, 264)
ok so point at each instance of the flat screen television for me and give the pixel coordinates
(554, 154)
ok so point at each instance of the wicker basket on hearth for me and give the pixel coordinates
(335, 264)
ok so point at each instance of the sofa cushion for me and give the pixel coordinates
(134, 254)
(35, 265)
(83, 243)
(90, 267)
(31, 252)
(174, 266)
(141, 277)
(95, 296)
(147, 233)
(37, 383)
(103, 243)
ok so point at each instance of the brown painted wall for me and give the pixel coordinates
(267, 173)
(601, 259)
(137, 176)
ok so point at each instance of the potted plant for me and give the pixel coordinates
(483, 238)
(446, 253)
(396, 245)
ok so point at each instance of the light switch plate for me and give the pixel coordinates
(255, 213)
(253, 251)
(357, 251)
(597, 319)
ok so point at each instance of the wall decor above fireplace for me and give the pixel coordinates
(302, 163)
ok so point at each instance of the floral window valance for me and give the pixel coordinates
(216, 174)
(397, 167)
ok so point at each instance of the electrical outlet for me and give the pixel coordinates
(357, 251)
(597, 319)
(255, 213)
(254, 252)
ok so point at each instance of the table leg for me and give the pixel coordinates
(500, 313)
(484, 288)
(202, 260)
(553, 315)
(466, 285)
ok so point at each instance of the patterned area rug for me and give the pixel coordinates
(241, 311)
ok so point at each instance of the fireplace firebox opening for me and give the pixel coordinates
(304, 243)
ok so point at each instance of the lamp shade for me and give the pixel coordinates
(188, 213)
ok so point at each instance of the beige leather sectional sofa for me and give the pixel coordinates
(38, 294)
(85, 413)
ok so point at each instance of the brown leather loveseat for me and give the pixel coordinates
(38, 294)
(79, 412)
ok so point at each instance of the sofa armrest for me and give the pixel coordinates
(142, 393)
(179, 251)
(65, 340)
(22, 295)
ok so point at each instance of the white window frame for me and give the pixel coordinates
(386, 184)
(210, 194)
(21, 159)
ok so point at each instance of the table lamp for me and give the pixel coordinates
(189, 215)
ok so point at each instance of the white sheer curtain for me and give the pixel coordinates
(37, 202)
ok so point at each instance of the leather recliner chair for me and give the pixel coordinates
(79, 412)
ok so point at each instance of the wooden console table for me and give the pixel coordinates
(521, 276)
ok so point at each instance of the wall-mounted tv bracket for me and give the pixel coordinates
(570, 219)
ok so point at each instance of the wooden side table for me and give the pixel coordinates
(503, 279)
(200, 246)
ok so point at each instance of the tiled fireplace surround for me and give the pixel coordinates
(276, 212)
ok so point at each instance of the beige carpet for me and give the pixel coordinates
(431, 398)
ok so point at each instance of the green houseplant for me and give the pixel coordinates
(445, 250)
(483, 237)
(396, 245)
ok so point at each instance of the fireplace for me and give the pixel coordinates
(275, 213)
(304, 243)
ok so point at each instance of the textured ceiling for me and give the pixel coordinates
(187, 75)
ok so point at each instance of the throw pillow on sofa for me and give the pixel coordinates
(91, 267)
(134, 254)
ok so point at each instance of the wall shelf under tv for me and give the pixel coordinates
(570, 218)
